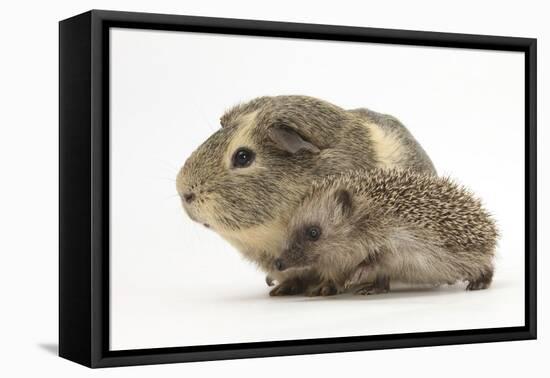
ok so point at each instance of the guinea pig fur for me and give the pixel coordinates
(393, 225)
(246, 178)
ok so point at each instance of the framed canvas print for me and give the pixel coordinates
(236, 188)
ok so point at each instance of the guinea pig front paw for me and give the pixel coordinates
(324, 289)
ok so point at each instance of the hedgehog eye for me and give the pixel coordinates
(313, 233)
(242, 158)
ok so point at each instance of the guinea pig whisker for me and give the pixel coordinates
(200, 110)
(169, 197)
(167, 178)
(174, 169)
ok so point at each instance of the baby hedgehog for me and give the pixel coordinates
(362, 229)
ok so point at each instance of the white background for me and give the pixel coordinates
(175, 283)
(28, 158)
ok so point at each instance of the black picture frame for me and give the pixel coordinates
(84, 187)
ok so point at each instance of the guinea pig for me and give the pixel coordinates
(246, 178)
(362, 229)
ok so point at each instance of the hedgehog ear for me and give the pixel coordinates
(290, 140)
(343, 201)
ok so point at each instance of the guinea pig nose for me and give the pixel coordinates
(279, 265)
(189, 197)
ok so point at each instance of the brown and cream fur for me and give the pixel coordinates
(295, 140)
(395, 225)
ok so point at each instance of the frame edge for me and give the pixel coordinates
(531, 185)
(75, 275)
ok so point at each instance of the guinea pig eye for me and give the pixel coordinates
(243, 157)
(313, 233)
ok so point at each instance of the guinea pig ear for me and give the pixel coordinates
(343, 201)
(289, 140)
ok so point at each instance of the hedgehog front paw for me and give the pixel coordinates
(380, 286)
(288, 287)
(369, 290)
(358, 277)
(325, 289)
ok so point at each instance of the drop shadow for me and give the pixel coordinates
(393, 294)
(399, 292)
(51, 348)
(266, 298)
(405, 292)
